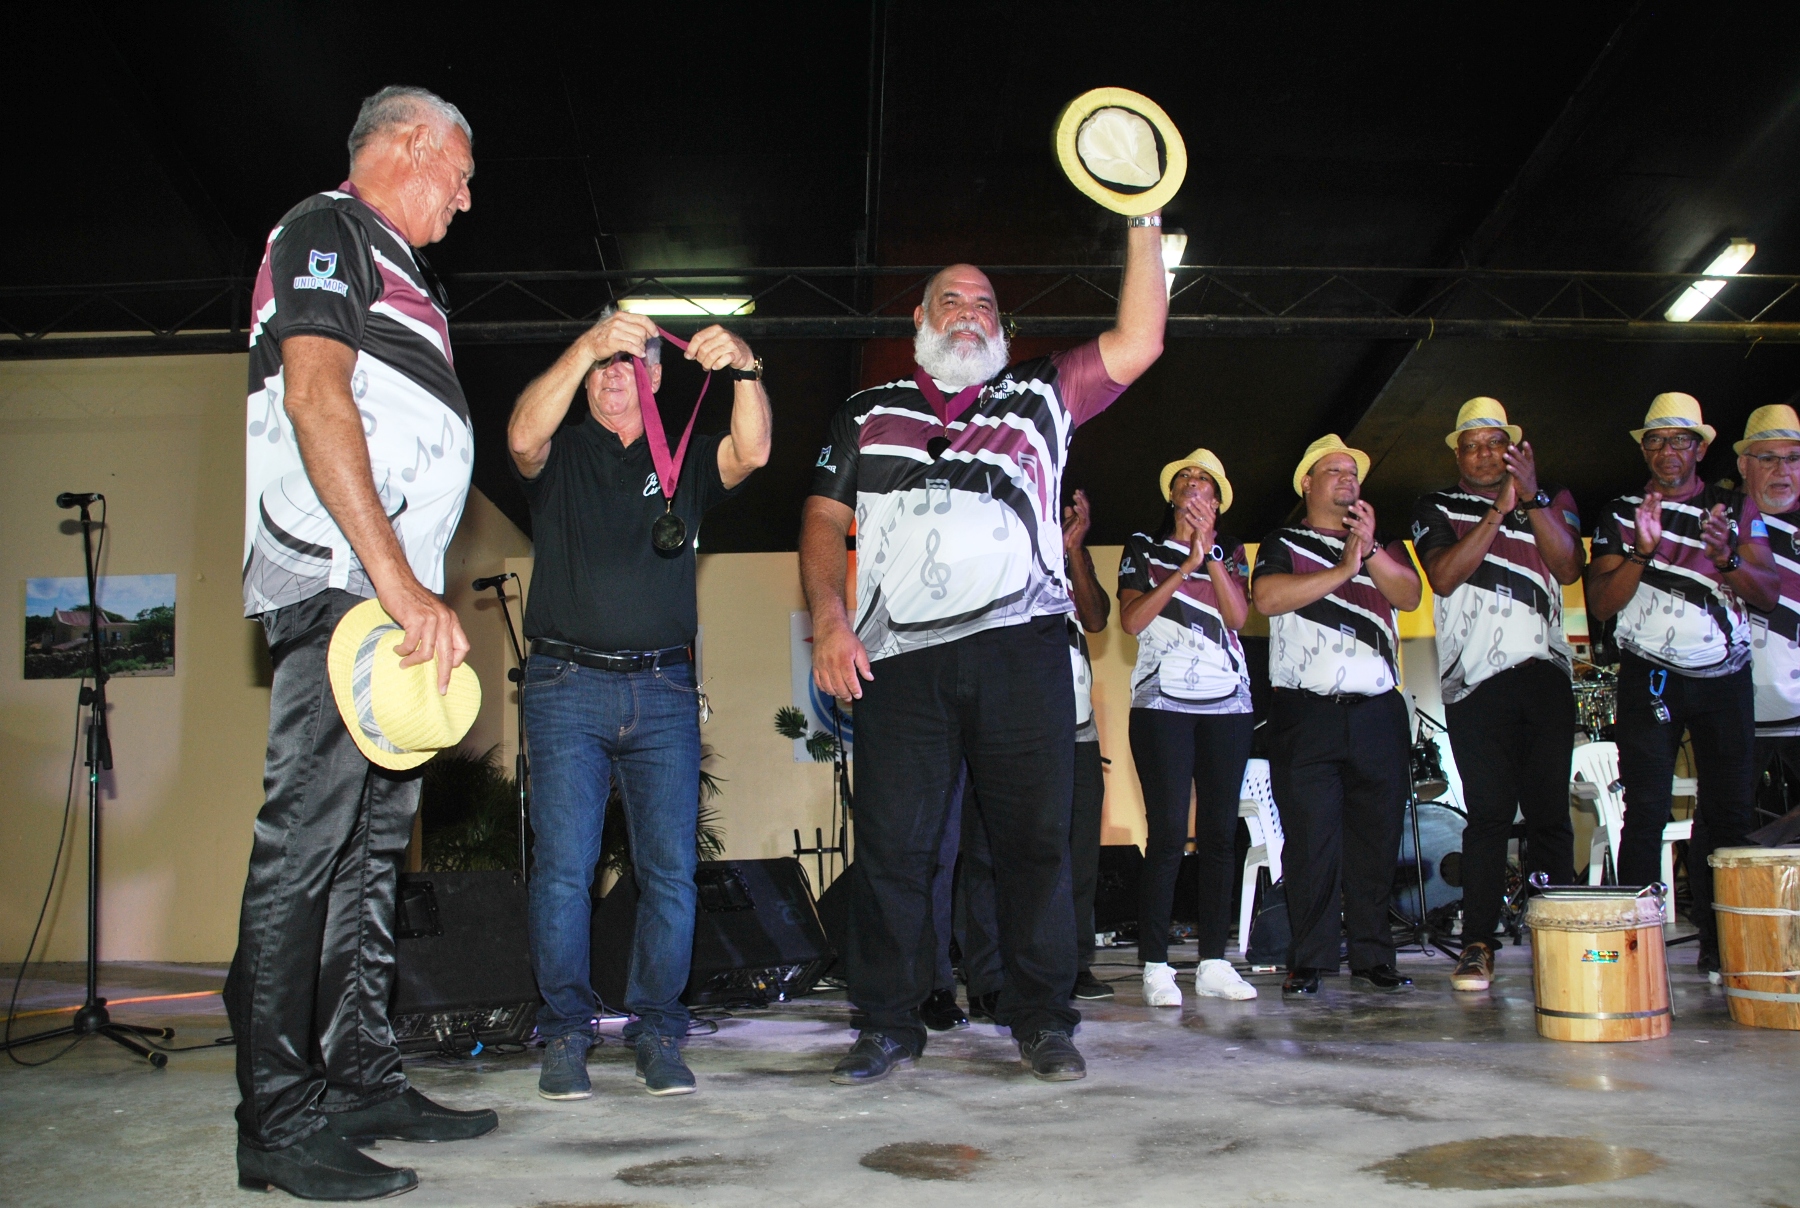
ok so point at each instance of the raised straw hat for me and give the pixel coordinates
(395, 713)
(1121, 149)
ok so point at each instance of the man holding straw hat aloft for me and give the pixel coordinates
(1676, 564)
(1497, 549)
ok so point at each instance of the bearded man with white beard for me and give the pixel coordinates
(960, 649)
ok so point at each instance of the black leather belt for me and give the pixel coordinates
(601, 660)
(1335, 698)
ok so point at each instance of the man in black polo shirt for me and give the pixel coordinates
(609, 689)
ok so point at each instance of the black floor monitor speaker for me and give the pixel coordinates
(757, 935)
(462, 961)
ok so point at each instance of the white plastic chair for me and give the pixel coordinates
(1256, 806)
(1597, 763)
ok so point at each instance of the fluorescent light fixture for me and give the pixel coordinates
(1174, 243)
(1693, 299)
(669, 306)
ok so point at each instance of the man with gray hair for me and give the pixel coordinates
(610, 691)
(960, 648)
(357, 458)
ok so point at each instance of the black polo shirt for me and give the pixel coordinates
(598, 582)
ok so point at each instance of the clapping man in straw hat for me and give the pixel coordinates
(358, 460)
(1497, 548)
(1676, 565)
(1769, 461)
(959, 649)
(1338, 758)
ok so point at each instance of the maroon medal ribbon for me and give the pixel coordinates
(945, 409)
(669, 533)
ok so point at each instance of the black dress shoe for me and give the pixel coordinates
(1385, 978)
(870, 1059)
(1052, 1057)
(1301, 980)
(410, 1116)
(940, 1012)
(981, 1006)
(324, 1166)
(1090, 988)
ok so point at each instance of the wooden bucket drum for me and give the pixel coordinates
(1756, 901)
(1600, 967)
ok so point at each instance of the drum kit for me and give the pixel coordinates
(1597, 702)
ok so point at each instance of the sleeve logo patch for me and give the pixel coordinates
(323, 267)
(1418, 531)
(824, 461)
(1758, 528)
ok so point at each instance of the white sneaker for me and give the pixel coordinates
(1160, 989)
(1217, 979)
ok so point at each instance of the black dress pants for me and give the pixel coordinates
(309, 987)
(1339, 769)
(1512, 737)
(1719, 715)
(1183, 757)
(1004, 700)
(977, 924)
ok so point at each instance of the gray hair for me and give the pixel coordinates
(652, 346)
(398, 103)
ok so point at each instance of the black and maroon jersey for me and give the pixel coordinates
(1775, 636)
(1509, 611)
(969, 537)
(1188, 660)
(1346, 642)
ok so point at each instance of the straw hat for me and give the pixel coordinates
(1777, 422)
(1483, 412)
(395, 713)
(1207, 463)
(1674, 410)
(1120, 149)
(1324, 446)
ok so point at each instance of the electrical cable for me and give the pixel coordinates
(12, 1005)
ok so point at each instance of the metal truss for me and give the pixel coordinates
(870, 302)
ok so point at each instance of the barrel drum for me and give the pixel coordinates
(1601, 971)
(1756, 902)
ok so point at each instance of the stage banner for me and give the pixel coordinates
(807, 698)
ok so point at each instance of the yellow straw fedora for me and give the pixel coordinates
(395, 713)
(1208, 463)
(1325, 445)
(1121, 149)
(1674, 410)
(1483, 412)
(1777, 422)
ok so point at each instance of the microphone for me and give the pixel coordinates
(75, 499)
(492, 581)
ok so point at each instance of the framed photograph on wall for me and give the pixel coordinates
(137, 626)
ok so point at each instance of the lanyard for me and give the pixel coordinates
(668, 465)
(945, 409)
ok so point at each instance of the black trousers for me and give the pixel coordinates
(1339, 769)
(1779, 754)
(1004, 700)
(1719, 714)
(309, 987)
(1512, 737)
(977, 923)
(1182, 757)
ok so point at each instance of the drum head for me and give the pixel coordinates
(1573, 910)
(1440, 838)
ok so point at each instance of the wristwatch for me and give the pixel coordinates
(1539, 500)
(1730, 564)
(752, 374)
(1631, 555)
(1146, 220)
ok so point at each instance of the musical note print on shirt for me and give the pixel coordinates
(271, 420)
(932, 573)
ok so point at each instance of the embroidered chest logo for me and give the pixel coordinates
(651, 485)
(323, 267)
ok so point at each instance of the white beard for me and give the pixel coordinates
(955, 364)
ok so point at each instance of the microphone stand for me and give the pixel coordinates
(92, 1019)
(521, 766)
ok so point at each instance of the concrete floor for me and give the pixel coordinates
(1337, 1101)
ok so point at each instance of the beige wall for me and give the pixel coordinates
(163, 439)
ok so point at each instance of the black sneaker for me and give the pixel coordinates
(1052, 1057)
(1090, 988)
(940, 1012)
(1475, 968)
(660, 1067)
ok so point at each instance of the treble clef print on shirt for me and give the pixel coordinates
(934, 574)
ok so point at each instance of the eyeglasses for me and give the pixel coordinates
(1476, 445)
(1769, 461)
(1681, 442)
(617, 358)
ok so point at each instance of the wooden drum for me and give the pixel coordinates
(1600, 967)
(1756, 901)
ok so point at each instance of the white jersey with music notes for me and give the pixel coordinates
(335, 268)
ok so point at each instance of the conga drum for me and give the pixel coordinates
(1756, 900)
(1599, 965)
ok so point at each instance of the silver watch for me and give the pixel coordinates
(1146, 220)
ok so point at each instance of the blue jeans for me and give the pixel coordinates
(585, 727)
